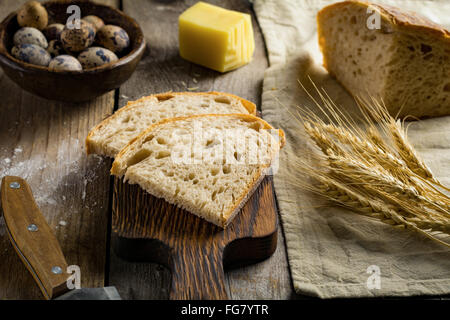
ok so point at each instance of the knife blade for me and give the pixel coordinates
(37, 246)
(107, 293)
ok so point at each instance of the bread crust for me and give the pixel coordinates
(250, 106)
(401, 19)
(90, 146)
(228, 216)
(398, 26)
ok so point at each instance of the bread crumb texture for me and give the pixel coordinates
(207, 164)
(114, 133)
(405, 62)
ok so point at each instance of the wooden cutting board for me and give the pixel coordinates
(149, 229)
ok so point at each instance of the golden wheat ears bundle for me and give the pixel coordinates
(369, 167)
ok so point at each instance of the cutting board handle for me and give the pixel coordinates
(197, 274)
(32, 238)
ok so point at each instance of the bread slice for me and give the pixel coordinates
(404, 62)
(206, 164)
(114, 133)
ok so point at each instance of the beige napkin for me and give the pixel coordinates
(333, 252)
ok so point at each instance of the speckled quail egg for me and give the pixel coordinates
(30, 35)
(95, 21)
(55, 48)
(96, 56)
(32, 53)
(15, 51)
(53, 31)
(65, 63)
(32, 14)
(113, 38)
(78, 39)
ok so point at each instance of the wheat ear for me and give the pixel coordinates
(343, 196)
(321, 140)
(379, 181)
(372, 169)
(407, 153)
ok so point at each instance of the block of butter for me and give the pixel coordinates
(216, 38)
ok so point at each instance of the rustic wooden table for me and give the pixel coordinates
(43, 142)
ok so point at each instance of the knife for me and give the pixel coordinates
(37, 246)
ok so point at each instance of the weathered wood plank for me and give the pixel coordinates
(43, 142)
(162, 70)
(196, 254)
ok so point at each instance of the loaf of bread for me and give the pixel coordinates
(207, 164)
(403, 61)
(115, 132)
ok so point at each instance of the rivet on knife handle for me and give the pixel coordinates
(32, 238)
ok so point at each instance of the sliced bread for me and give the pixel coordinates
(206, 164)
(115, 132)
(403, 60)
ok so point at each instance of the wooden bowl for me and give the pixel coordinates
(72, 86)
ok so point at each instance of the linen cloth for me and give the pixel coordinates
(333, 252)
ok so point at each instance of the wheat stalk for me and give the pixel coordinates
(373, 170)
(368, 151)
(376, 139)
(347, 198)
(407, 153)
(376, 209)
(321, 140)
(376, 156)
(398, 134)
(379, 181)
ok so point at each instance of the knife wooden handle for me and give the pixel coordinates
(32, 237)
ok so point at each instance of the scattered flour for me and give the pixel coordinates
(57, 182)
(51, 179)
(83, 195)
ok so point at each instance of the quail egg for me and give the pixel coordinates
(53, 31)
(15, 51)
(30, 35)
(78, 39)
(32, 14)
(32, 53)
(65, 63)
(55, 48)
(96, 56)
(95, 21)
(113, 38)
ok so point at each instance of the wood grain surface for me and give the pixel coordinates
(43, 142)
(163, 70)
(151, 230)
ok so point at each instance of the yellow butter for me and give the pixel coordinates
(216, 38)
